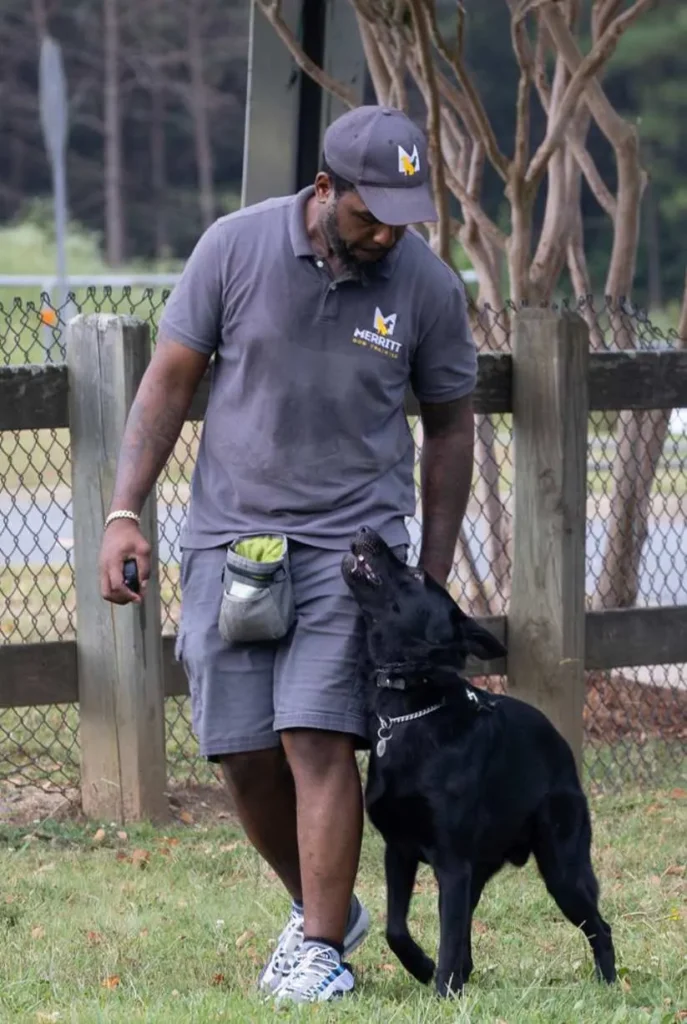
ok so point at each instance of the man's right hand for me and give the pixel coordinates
(123, 540)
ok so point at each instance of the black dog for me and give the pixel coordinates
(460, 779)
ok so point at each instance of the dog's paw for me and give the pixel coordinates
(425, 970)
(448, 986)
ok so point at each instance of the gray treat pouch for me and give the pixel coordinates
(257, 599)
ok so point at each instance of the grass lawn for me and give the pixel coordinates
(173, 925)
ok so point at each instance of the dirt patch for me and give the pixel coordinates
(29, 805)
(188, 805)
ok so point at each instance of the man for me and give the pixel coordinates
(319, 309)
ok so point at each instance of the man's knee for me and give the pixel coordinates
(318, 753)
(254, 770)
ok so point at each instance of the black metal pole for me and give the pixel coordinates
(313, 17)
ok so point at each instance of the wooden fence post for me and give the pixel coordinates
(119, 649)
(546, 621)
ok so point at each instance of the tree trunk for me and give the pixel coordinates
(653, 247)
(114, 212)
(487, 489)
(619, 581)
(200, 115)
(642, 438)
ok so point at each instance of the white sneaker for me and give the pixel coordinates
(289, 942)
(316, 976)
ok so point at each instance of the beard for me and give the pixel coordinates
(337, 246)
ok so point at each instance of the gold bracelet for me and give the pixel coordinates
(122, 513)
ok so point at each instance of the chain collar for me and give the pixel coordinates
(385, 724)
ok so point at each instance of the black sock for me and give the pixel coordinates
(338, 946)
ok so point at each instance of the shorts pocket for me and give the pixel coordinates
(263, 614)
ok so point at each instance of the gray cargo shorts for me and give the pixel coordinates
(243, 695)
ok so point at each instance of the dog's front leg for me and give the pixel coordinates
(454, 921)
(401, 867)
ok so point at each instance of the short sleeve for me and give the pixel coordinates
(445, 363)
(193, 311)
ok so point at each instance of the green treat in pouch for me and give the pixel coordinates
(257, 599)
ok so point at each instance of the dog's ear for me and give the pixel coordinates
(480, 642)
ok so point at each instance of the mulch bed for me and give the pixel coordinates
(618, 708)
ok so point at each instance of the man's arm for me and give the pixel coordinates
(152, 428)
(155, 420)
(188, 335)
(446, 468)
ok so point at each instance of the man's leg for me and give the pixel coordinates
(330, 823)
(262, 787)
(233, 712)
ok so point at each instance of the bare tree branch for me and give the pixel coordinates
(460, 142)
(523, 53)
(623, 138)
(550, 254)
(583, 78)
(474, 209)
(479, 114)
(603, 13)
(584, 159)
(272, 11)
(379, 72)
(399, 60)
(433, 128)
(452, 96)
(460, 29)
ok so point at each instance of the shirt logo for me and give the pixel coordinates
(408, 163)
(384, 324)
(381, 338)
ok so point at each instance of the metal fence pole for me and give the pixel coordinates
(119, 654)
(546, 622)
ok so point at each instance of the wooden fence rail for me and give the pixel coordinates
(119, 669)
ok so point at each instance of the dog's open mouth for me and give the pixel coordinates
(359, 570)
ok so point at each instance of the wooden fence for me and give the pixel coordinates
(120, 668)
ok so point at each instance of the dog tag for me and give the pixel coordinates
(381, 747)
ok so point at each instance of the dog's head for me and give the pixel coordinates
(409, 616)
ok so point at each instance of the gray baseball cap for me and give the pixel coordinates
(384, 154)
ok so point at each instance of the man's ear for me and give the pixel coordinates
(480, 642)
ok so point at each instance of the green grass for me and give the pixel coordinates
(87, 934)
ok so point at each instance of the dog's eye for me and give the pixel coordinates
(418, 574)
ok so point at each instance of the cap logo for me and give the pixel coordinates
(408, 163)
(384, 325)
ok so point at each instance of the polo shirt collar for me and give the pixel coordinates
(302, 246)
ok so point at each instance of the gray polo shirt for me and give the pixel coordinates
(305, 431)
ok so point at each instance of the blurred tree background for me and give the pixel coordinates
(157, 93)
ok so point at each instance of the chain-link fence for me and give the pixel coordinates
(635, 720)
